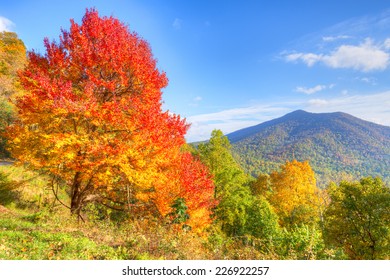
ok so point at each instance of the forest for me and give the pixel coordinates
(93, 168)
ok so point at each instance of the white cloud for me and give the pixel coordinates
(335, 38)
(308, 58)
(365, 57)
(5, 24)
(177, 23)
(312, 90)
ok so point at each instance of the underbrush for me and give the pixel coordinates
(34, 226)
(46, 236)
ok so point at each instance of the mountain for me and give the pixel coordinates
(337, 145)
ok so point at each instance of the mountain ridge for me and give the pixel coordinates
(337, 145)
(237, 135)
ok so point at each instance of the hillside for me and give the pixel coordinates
(337, 145)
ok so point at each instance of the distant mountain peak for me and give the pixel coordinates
(298, 112)
(303, 118)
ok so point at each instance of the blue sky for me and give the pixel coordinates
(233, 64)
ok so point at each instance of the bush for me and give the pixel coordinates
(302, 242)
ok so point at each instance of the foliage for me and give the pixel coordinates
(232, 211)
(192, 182)
(262, 220)
(12, 59)
(31, 230)
(231, 184)
(239, 213)
(179, 213)
(294, 194)
(92, 120)
(6, 118)
(261, 186)
(304, 242)
(216, 155)
(358, 218)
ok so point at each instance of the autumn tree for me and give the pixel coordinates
(294, 194)
(229, 180)
(358, 218)
(238, 213)
(92, 120)
(217, 156)
(12, 59)
(190, 183)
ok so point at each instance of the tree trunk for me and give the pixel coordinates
(76, 199)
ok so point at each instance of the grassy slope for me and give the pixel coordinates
(32, 227)
(22, 237)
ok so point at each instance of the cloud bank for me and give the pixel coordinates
(365, 57)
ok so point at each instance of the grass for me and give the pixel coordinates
(23, 239)
(23, 189)
(34, 227)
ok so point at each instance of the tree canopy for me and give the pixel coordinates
(294, 194)
(12, 59)
(358, 218)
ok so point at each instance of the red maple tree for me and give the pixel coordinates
(92, 120)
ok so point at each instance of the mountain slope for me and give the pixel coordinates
(337, 145)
